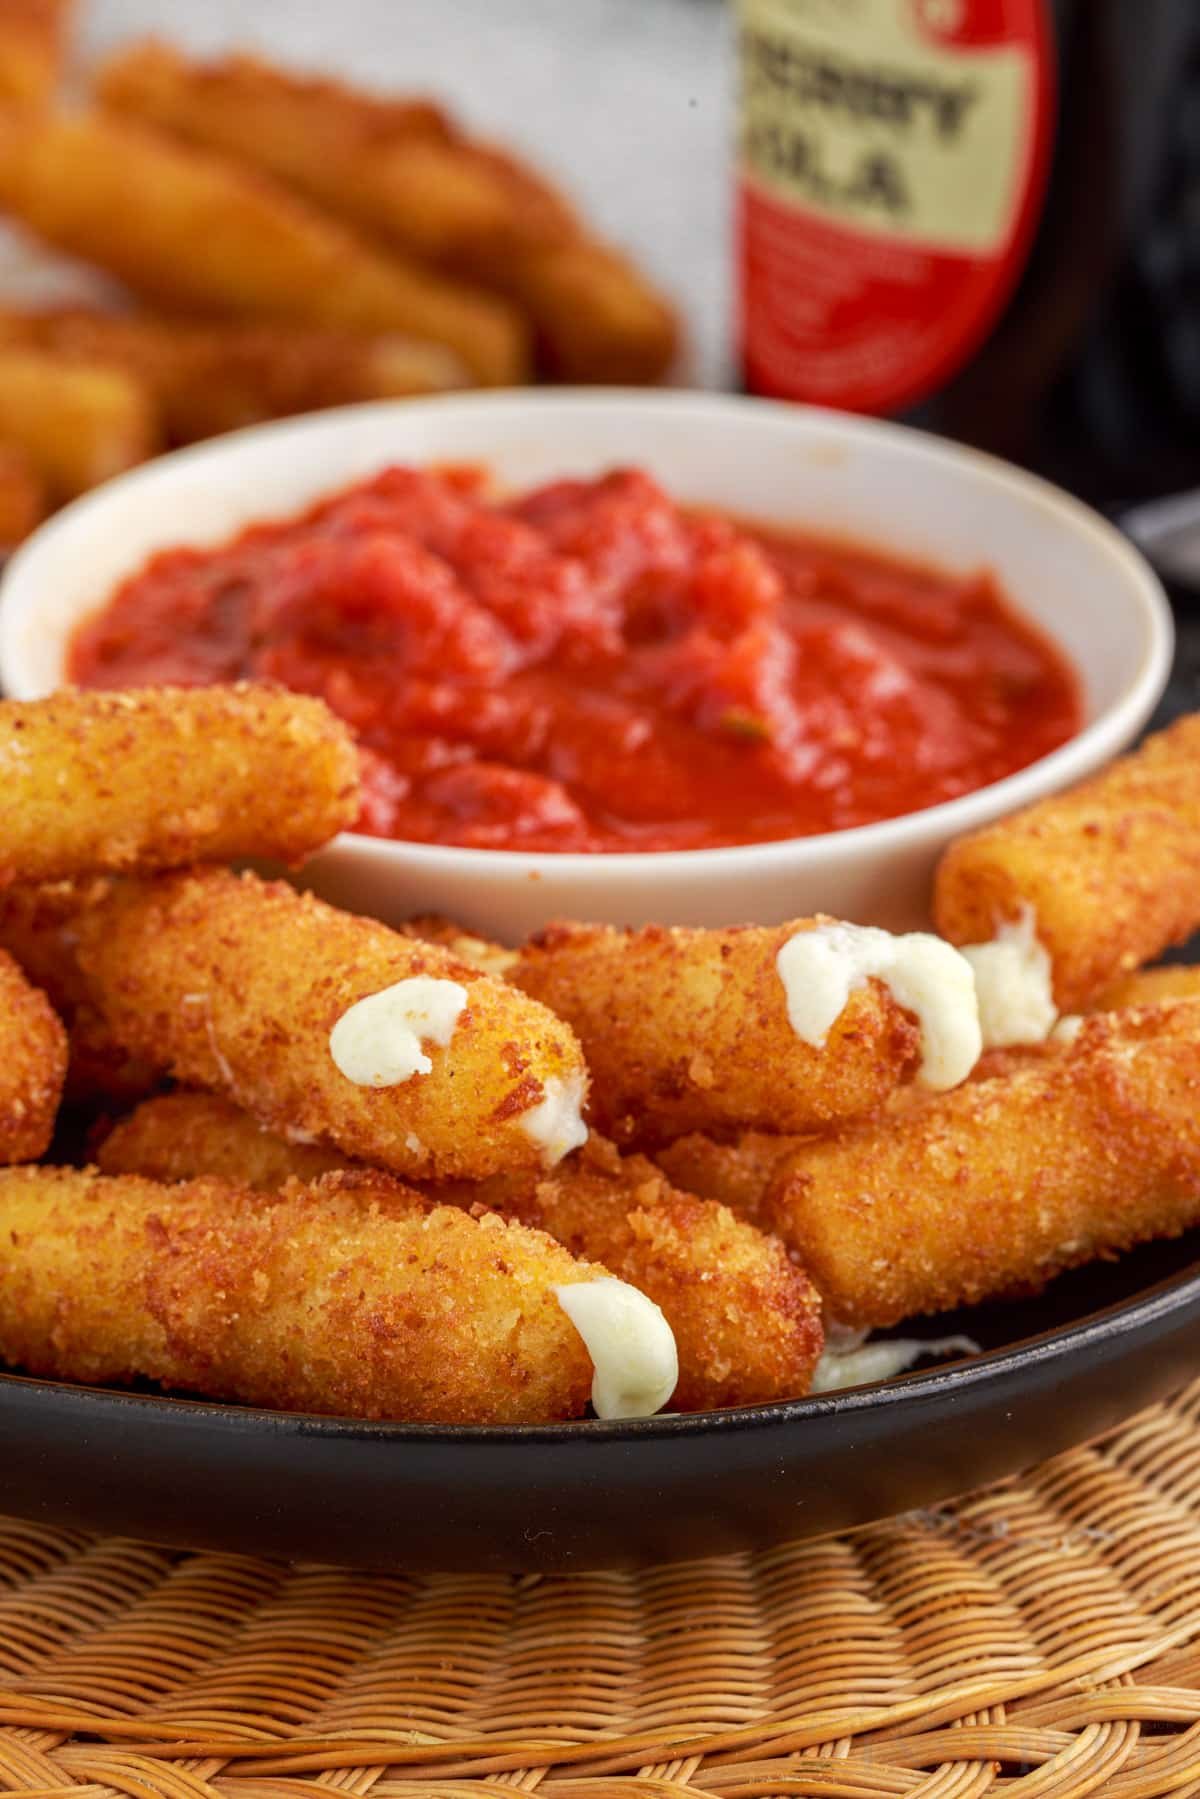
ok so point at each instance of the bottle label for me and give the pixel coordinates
(893, 161)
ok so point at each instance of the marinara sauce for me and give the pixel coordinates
(593, 667)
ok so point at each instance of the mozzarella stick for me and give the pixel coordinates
(33, 1066)
(782, 1029)
(324, 1299)
(1109, 873)
(737, 1174)
(185, 1136)
(162, 777)
(1004, 1183)
(38, 929)
(334, 1028)
(32, 34)
(493, 958)
(747, 1322)
(208, 378)
(76, 422)
(1149, 987)
(402, 173)
(194, 232)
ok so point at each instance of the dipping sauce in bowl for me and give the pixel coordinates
(594, 667)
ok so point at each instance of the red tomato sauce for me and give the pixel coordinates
(592, 667)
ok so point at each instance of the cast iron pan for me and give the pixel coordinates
(1056, 1371)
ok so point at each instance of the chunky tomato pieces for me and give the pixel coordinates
(593, 668)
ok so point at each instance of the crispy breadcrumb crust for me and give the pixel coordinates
(38, 928)
(235, 984)
(687, 1030)
(1111, 869)
(163, 777)
(330, 1298)
(747, 1321)
(33, 1065)
(1055, 1160)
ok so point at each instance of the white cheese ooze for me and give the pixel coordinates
(556, 1123)
(1068, 1028)
(821, 968)
(882, 1361)
(1014, 985)
(377, 1042)
(631, 1345)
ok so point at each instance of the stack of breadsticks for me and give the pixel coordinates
(283, 244)
(410, 1174)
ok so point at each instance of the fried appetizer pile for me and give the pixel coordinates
(1108, 874)
(849, 1128)
(195, 232)
(306, 244)
(403, 174)
(156, 778)
(340, 1297)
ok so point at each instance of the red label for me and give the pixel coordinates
(893, 163)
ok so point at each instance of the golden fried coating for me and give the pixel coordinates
(76, 422)
(32, 36)
(38, 928)
(747, 1321)
(33, 1066)
(688, 1030)
(236, 984)
(162, 777)
(1004, 1182)
(736, 1174)
(206, 378)
(481, 952)
(186, 1136)
(194, 232)
(331, 1298)
(1149, 987)
(24, 496)
(1111, 869)
(403, 173)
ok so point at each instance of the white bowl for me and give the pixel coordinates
(899, 489)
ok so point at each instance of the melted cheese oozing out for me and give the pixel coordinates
(856, 1367)
(821, 968)
(631, 1345)
(1013, 985)
(377, 1043)
(1068, 1028)
(556, 1123)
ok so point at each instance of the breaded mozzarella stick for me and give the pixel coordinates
(33, 1066)
(325, 1299)
(1007, 1181)
(39, 929)
(790, 1028)
(163, 777)
(193, 1136)
(1110, 872)
(333, 1028)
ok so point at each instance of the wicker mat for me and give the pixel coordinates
(1042, 1639)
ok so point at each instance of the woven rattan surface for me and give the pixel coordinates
(1040, 1640)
